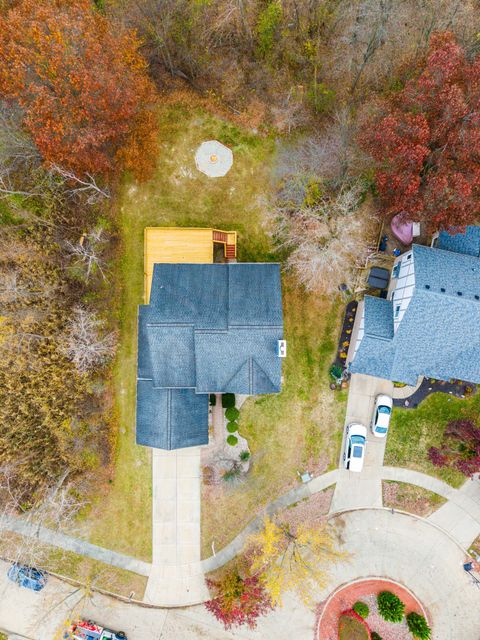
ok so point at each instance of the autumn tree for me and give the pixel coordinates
(287, 558)
(82, 85)
(426, 141)
(460, 448)
(238, 600)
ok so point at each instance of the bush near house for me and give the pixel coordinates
(376, 636)
(232, 427)
(232, 440)
(232, 414)
(418, 626)
(228, 400)
(390, 607)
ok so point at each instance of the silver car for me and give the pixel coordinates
(355, 445)
(382, 413)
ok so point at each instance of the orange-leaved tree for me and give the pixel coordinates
(82, 84)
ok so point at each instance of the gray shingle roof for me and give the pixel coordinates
(170, 418)
(467, 242)
(439, 335)
(378, 317)
(208, 328)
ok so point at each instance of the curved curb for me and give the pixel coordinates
(366, 579)
(337, 514)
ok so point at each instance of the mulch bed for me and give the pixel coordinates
(456, 388)
(346, 333)
(328, 612)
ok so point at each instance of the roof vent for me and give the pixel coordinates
(442, 289)
(427, 286)
(477, 297)
(459, 293)
(282, 348)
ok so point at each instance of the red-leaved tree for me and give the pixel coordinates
(426, 141)
(82, 84)
(460, 448)
(238, 601)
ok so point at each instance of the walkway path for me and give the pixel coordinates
(69, 543)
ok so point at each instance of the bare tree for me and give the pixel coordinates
(326, 239)
(88, 251)
(80, 185)
(17, 149)
(53, 509)
(85, 342)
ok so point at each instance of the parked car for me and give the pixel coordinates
(355, 446)
(381, 415)
(89, 630)
(27, 577)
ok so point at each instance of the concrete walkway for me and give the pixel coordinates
(176, 578)
(358, 490)
(69, 543)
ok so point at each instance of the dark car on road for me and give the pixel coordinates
(27, 577)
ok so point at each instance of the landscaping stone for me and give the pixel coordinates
(456, 388)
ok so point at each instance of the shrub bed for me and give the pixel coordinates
(232, 414)
(361, 609)
(390, 607)
(418, 627)
(352, 627)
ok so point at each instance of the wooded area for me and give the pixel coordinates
(374, 108)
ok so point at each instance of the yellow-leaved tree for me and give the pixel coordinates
(287, 558)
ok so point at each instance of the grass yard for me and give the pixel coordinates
(301, 427)
(413, 431)
(298, 429)
(410, 498)
(90, 573)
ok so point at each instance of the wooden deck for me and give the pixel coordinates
(181, 244)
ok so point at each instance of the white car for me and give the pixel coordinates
(355, 445)
(381, 415)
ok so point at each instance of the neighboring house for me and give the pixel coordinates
(429, 325)
(208, 328)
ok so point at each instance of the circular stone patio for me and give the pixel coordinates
(213, 159)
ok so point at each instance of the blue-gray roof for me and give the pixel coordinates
(439, 335)
(209, 328)
(467, 242)
(170, 418)
(378, 317)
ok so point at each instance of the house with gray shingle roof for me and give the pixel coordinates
(429, 325)
(208, 328)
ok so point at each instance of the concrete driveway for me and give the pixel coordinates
(358, 490)
(176, 577)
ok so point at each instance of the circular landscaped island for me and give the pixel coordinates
(373, 609)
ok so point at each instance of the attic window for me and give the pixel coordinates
(459, 293)
(427, 286)
(442, 289)
(409, 256)
(397, 311)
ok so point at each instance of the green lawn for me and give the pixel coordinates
(413, 431)
(297, 429)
